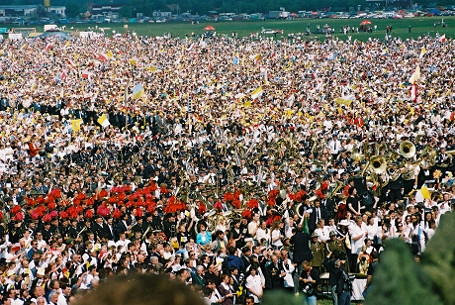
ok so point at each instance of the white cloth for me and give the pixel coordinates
(253, 283)
(276, 235)
(356, 245)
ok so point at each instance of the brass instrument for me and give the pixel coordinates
(378, 164)
(380, 148)
(298, 209)
(357, 155)
(431, 152)
(369, 149)
(339, 185)
(407, 149)
(409, 170)
(450, 154)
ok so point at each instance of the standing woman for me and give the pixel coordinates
(358, 235)
(277, 236)
(203, 237)
(225, 290)
(354, 203)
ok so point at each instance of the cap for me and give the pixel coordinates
(332, 233)
(314, 234)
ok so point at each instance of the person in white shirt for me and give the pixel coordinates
(253, 225)
(334, 146)
(289, 268)
(277, 238)
(358, 235)
(263, 234)
(322, 231)
(254, 285)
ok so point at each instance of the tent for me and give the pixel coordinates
(61, 35)
(209, 28)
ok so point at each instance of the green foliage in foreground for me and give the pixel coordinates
(399, 280)
(438, 260)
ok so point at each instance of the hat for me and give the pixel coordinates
(332, 233)
(344, 222)
(314, 234)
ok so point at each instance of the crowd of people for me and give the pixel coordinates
(234, 165)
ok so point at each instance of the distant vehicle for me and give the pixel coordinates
(50, 27)
(271, 31)
(279, 15)
(256, 17)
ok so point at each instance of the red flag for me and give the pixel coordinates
(48, 47)
(103, 57)
(71, 64)
(443, 38)
(85, 74)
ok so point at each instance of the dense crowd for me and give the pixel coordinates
(235, 165)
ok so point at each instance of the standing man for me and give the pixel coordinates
(276, 273)
(302, 251)
(344, 285)
(309, 280)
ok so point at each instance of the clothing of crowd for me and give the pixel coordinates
(240, 166)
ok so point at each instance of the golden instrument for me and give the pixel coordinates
(409, 170)
(378, 164)
(338, 186)
(357, 156)
(380, 148)
(298, 209)
(407, 149)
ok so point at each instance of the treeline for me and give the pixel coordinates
(147, 7)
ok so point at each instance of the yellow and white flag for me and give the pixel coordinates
(423, 51)
(76, 125)
(256, 93)
(415, 76)
(103, 121)
(138, 91)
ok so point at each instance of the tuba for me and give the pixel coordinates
(407, 149)
(299, 210)
(378, 165)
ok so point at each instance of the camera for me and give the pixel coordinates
(308, 289)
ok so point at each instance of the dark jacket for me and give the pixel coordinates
(302, 250)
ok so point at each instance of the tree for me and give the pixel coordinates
(72, 10)
(41, 11)
(126, 11)
(398, 279)
(438, 259)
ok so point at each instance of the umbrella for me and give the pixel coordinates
(365, 22)
(209, 28)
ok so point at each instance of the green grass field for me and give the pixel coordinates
(420, 26)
